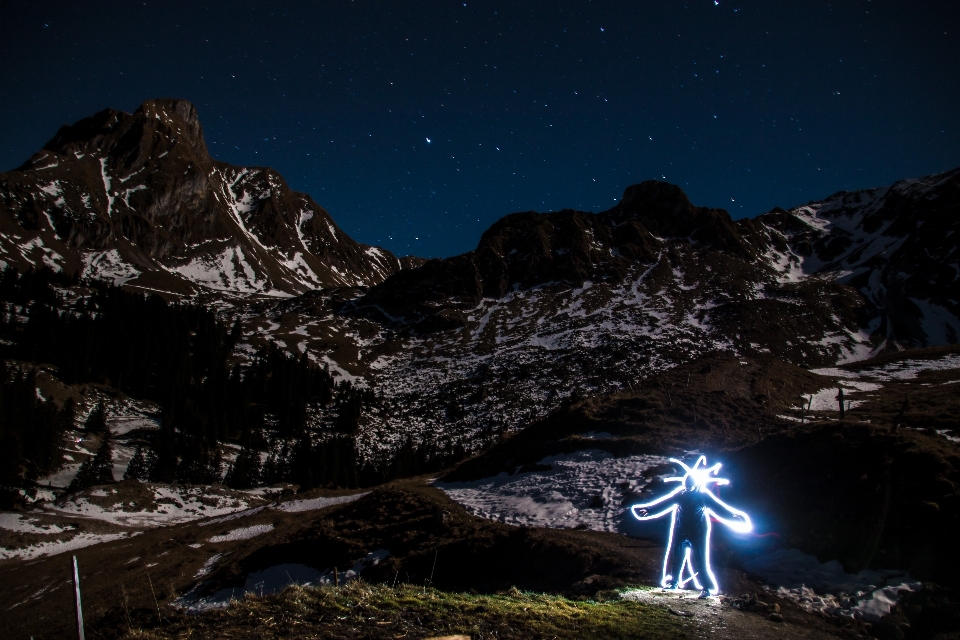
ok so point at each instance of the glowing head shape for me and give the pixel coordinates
(692, 508)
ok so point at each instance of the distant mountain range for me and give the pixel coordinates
(549, 307)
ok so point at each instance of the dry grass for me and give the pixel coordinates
(362, 610)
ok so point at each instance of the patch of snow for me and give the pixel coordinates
(106, 186)
(793, 418)
(108, 265)
(826, 400)
(233, 516)
(16, 522)
(208, 565)
(898, 370)
(244, 533)
(174, 505)
(297, 506)
(78, 541)
(227, 271)
(586, 488)
(827, 588)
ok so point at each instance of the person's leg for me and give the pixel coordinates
(679, 552)
(701, 564)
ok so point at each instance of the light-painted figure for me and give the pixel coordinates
(692, 507)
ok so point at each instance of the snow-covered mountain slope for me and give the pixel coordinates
(548, 307)
(565, 304)
(137, 200)
(897, 246)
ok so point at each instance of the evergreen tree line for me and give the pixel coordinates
(177, 355)
(31, 429)
(174, 354)
(334, 463)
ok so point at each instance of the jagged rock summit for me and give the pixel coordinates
(137, 199)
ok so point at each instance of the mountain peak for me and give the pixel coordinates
(137, 199)
(174, 112)
(656, 195)
(153, 128)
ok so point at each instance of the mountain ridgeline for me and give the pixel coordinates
(894, 247)
(345, 365)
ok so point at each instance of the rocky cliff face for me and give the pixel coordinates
(137, 199)
(878, 263)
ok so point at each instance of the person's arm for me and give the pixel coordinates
(641, 511)
(737, 520)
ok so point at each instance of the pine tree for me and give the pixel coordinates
(246, 470)
(95, 470)
(137, 469)
(162, 460)
(103, 461)
(301, 461)
(96, 422)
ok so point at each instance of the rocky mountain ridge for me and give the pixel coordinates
(891, 245)
(136, 199)
(549, 308)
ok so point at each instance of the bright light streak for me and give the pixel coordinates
(696, 507)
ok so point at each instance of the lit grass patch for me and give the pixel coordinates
(379, 611)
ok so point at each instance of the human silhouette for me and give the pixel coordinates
(692, 507)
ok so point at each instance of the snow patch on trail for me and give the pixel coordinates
(826, 400)
(233, 516)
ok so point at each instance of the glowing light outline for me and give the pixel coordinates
(702, 477)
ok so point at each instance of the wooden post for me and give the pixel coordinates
(76, 596)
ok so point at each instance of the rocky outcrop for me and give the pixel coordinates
(137, 199)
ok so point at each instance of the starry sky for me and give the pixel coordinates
(417, 124)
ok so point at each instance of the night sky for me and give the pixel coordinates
(418, 124)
